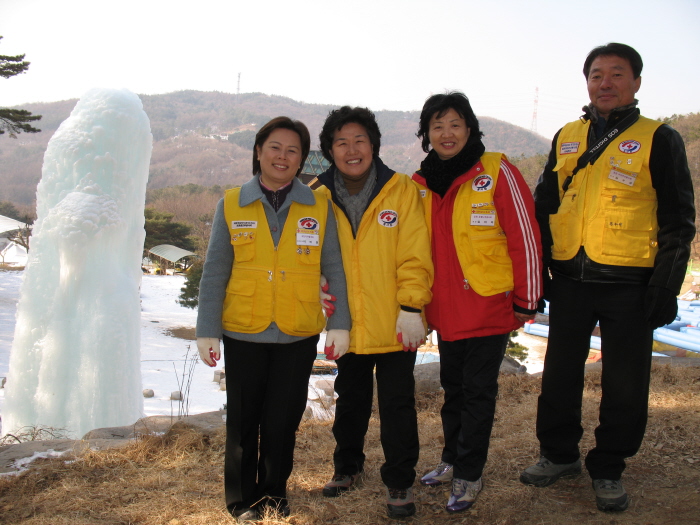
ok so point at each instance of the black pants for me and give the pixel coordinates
(266, 392)
(397, 412)
(469, 375)
(626, 343)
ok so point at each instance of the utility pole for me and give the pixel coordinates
(238, 88)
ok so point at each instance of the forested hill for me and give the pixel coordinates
(206, 138)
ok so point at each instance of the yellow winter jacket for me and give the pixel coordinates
(609, 207)
(388, 264)
(274, 284)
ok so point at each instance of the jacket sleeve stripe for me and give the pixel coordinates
(532, 268)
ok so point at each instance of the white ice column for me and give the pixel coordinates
(75, 360)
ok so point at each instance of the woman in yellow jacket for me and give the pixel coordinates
(270, 240)
(386, 254)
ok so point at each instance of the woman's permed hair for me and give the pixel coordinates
(338, 118)
(437, 106)
(296, 126)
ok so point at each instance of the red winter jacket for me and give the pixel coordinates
(459, 313)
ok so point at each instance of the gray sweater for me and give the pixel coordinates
(219, 263)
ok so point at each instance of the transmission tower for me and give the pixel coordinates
(533, 126)
(238, 88)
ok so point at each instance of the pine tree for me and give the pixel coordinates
(189, 294)
(160, 229)
(15, 120)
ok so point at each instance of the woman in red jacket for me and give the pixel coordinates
(487, 257)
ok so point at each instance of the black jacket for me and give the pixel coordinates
(670, 178)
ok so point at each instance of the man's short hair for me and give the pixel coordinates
(338, 118)
(620, 50)
(439, 105)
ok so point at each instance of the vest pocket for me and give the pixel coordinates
(309, 254)
(490, 269)
(565, 235)
(239, 302)
(243, 248)
(627, 234)
(306, 307)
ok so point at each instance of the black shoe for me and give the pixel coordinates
(245, 515)
(610, 495)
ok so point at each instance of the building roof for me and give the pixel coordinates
(315, 164)
(170, 253)
(7, 224)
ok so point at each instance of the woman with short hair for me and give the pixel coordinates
(487, 257)
(386, 250)
(271, 239)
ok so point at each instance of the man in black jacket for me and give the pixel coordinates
(616, 210)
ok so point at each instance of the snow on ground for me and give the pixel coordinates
(165, 359)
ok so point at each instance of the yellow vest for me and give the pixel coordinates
(274, 284)
(609, 207)
(480, 242)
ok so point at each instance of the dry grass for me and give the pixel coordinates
(182, 332)
(177, 479)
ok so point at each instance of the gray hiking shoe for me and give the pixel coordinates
(400, 503)
(544, 473)
(610, 495)
(339, 484)
(439, 475)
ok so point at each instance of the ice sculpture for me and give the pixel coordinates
(75, 359)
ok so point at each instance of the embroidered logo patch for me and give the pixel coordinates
(308, 223)
(388, 218)
(569, 147)
(482, 183)
(629, 146)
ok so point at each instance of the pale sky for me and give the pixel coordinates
(383, 54)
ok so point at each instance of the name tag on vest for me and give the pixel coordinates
(625, 177)
(483, 218)
(307, 238)
(236, 225)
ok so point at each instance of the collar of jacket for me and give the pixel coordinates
(384, 174)
(591, 113)
(251, 192)
(599, 126)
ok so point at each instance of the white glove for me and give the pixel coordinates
(337, 343)
(410, 330)
(326, 298)
(209, 351)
